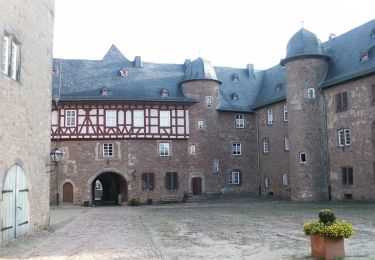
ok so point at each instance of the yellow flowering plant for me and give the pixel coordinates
(330, 228)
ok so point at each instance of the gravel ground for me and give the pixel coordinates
(237, 228)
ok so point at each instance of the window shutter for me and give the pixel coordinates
(338, 102)
(344, 176)
(345, 101)
(167, 180)
(176, 184)
(350, 175)
(151, 181)
(239, 178)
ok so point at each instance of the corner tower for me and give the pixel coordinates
(305, 68)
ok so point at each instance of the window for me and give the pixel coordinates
(107, 150)
(164, 93)
(269, 117)
(148, 181)
(347, 175)
(311, 93)
(285, 179)
(70, 118)
(285, 113)
(164, 149)
(341, 101)
(165, 118)
(110, 118)
(266, 145)
(302, 157)
(267, 182)
(215, 166)
(373, 94)
(105, 91)
(286, 143)
(192, 149)
(240, 121)
(11, 57)
(234, 178)
(139, 120)
(344, 137)
(235, 78)
(236, 149)
(200, 124)
(372, 33)
(209, 101)
(171, 180)
(364, 57)
(235, 96)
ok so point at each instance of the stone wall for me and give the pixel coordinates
(25, 104)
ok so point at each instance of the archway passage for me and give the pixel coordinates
(109, 188)
(68, 193)
(197, 186)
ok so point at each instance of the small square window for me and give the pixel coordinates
(240, 121)
(164, 149)
(302, 157)
(236, 149)
(107, 150)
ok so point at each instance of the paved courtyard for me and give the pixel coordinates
(237, 228)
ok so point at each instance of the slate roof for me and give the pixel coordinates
(85, 79)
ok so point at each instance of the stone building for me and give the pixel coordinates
(302, 130)
(26, 32)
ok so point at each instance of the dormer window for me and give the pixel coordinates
(235, 78)
(123, 72)
(105, 91)
(55, 71)
(164, 93)
(364, 57)
(372, 33)
(278, 87)
(235, 96)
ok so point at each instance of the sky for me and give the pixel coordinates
(229, 33)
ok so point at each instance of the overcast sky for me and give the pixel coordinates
(229, 33)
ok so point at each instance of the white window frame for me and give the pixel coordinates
(234, 178)
(285, 113)
(311, 93)
(236, 149)
(300, 157)
(107, 150)
(138, 118)
(192, 149)
(11, 57)
(266, 145)
(70, 118)
(285, 179)
(286, 143)
(240, 121)
(110, 118)
(269, 117)
(165, 118)
(267, 182)
(344, 137)
(215, 166)
(164, 149)
(200, 124)
(209, 101)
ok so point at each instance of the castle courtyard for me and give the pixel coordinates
(229, 228)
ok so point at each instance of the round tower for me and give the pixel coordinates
(200, 83)
(305, 68)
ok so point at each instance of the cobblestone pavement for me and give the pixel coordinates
(97, 233)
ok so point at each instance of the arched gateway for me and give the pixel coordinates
(109, 188)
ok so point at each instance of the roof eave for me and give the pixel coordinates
(303, 56)
(270, 102)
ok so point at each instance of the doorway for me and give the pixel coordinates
(109, 188)
(15, 211)
(197, 186)
(68, 193)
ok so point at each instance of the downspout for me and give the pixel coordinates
(258, 156)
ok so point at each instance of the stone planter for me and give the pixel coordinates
(327, 248)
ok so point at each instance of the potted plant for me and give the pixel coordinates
(327, 235)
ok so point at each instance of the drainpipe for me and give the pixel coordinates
(258, 156)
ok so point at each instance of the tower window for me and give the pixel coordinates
(269, 117)
(311, 93)
(266, 145)
(302, 157)
(200, 124)
(209, 101)
(285, 113)
(341, 101)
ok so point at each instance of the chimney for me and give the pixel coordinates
(331, 36)
(187, 62)
(137, 62)
(250, 70)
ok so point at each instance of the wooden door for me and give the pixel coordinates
(15, 210)
(197, 186)
(68, 193)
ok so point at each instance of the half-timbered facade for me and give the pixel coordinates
(168, 132)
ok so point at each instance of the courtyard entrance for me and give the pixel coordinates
(109, 188)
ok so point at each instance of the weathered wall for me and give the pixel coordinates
(274, 163)
(360, 155)
(25, 105)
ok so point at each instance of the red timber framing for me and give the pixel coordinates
(90, 122)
